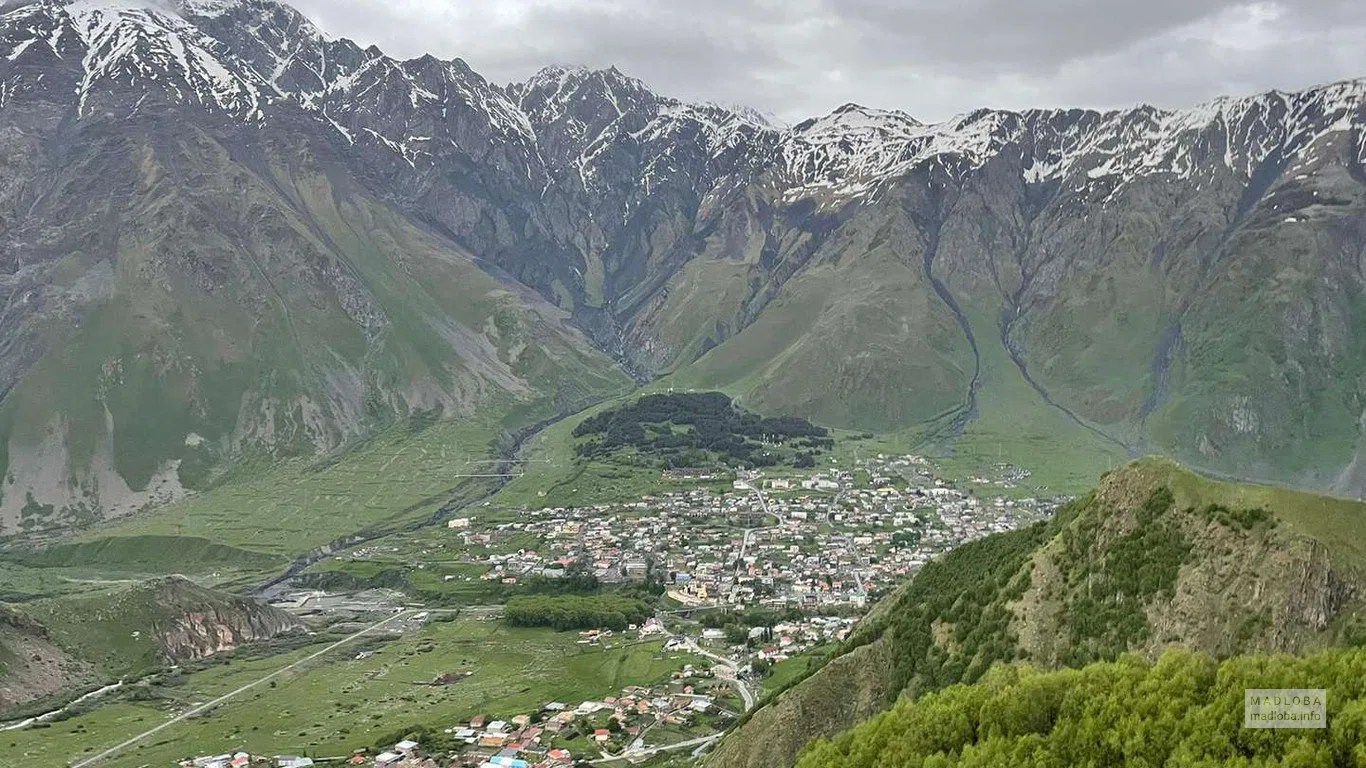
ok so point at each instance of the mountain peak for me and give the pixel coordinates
(853, 117)
(558, 78)
(205, 8)
(750, 114)
(249, 12)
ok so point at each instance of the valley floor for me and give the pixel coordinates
(357, 694)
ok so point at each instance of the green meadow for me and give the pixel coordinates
(265, 518)
(339, 702)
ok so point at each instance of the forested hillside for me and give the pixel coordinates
(1156, 558)
(1185, 710)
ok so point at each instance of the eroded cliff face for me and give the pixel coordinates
(52, 647)
(190, 622)
(200, 634)
(1243, 585)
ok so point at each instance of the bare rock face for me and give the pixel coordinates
(198, 624)
(1256, 587)
(1320, 592)
(55, 646)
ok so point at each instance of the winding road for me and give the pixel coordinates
(749, 534)
(699, 745)
(745, 693)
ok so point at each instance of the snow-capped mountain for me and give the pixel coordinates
(249, 58)
(863, 268)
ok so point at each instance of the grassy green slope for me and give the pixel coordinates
(870, 347)
(863, 346)
(1013, 423)
(1141, 565)
(269, 309)
(288, 509)
(1271, 380)
(1235, 346)
(1334, 521)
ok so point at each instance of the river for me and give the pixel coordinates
(43, 718)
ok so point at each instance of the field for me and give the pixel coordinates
(20, 583)
(285, 511)
(787, 672)
(338, 702)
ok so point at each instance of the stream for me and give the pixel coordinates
(46, 716)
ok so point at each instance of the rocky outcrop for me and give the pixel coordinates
(32, 666)
(198, 624)
(1259, 586)
(51, 647)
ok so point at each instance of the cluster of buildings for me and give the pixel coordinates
(813, 547)
(811, 541)
(244, 760)
(551, 737)
(787, 638)
(558, 732)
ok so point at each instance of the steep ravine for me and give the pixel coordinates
(969, 410)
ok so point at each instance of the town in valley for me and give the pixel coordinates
(749, 575)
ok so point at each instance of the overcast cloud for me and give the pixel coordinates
(931, 58)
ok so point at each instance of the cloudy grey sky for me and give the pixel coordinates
(932, 58)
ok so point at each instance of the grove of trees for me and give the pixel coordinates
(692, 429)
(576, 611)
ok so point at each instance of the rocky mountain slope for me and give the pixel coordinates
(53, 646)
(1157, 558)
(227, 232)
(199, 268)
(32, 667)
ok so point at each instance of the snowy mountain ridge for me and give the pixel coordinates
(249, 58)
(1182, 280)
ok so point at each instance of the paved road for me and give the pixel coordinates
(114, 750)
(749, 535)
(641, 754)
(699, 745)
(745, 693)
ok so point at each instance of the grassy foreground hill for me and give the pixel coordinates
(52, 647)
(1157, 558)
